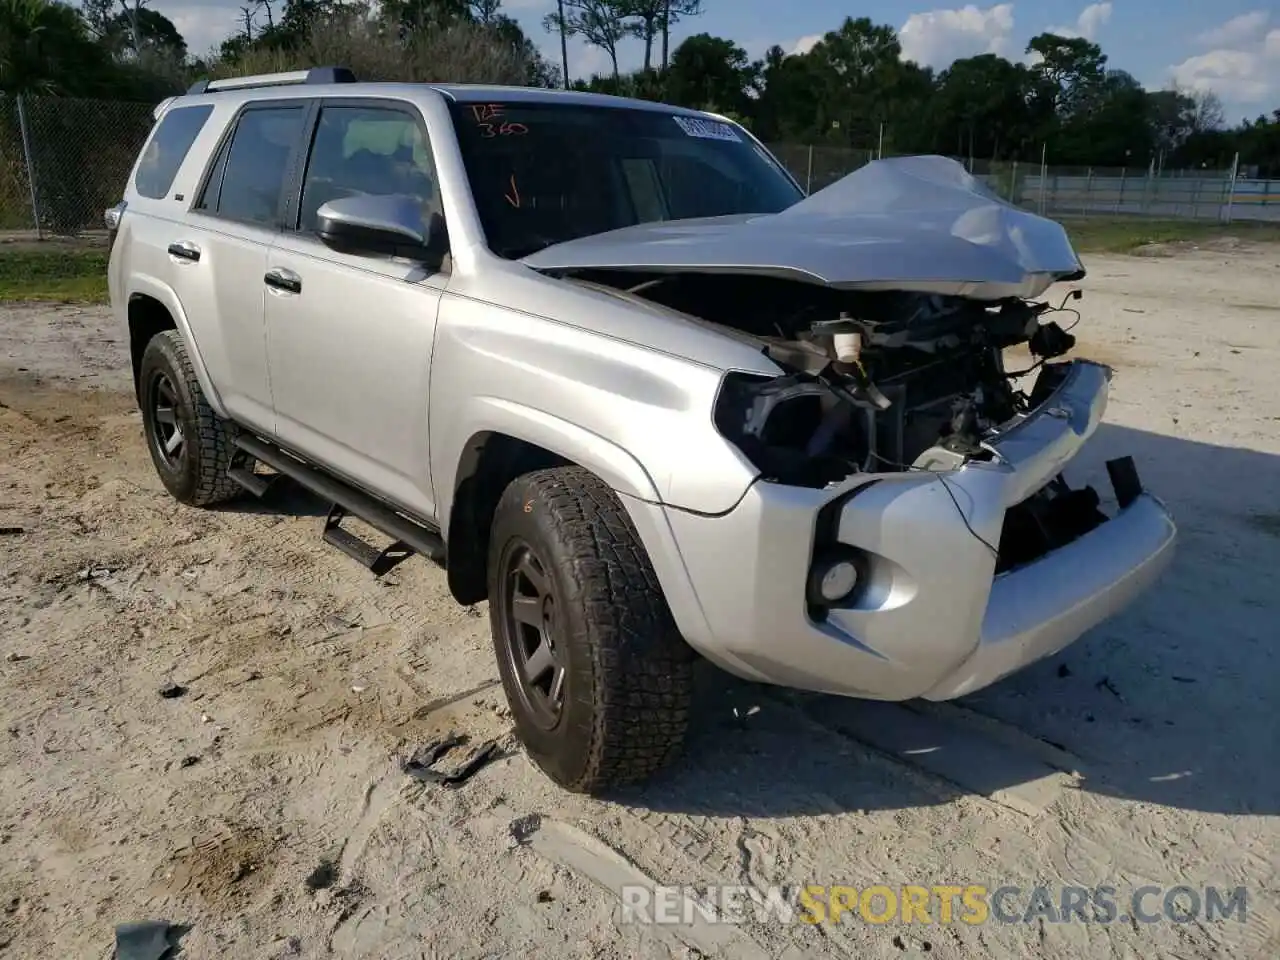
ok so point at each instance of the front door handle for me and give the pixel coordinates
(282, 279)
(185, 250)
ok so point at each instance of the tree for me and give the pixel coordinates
(155, 33)
(409, 40)
(485, 11)
(983, 107)
(712, 73)
(856, 66)
(562, 26)
(98, 16)
(602, 23)
(1072, 69)
(1116, 131)
(45, 47)
(656, 17)
(673, 11)
(789, 108)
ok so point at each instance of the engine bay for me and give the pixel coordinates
(876, 381)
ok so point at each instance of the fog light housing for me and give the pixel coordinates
(835, 577)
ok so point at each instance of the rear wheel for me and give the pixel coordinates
(190, 445)
(597, 676)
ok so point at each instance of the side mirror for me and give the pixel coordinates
(391, 226)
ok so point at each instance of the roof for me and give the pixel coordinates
(482, 93)
(339, 81)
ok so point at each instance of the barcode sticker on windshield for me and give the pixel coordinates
(707, 129)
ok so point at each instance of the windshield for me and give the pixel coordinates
(544, 173)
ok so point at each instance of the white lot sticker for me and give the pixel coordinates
(707, 129)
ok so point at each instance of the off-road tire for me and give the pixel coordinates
(199, 477)
(628, 676)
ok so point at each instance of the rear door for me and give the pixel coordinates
(349, 337)
(219, 252)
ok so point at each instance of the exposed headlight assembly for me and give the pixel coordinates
(794, 429)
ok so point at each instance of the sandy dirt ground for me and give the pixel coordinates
(265, 810)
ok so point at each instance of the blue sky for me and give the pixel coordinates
(1230, 47)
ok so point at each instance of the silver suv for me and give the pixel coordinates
(606, 362)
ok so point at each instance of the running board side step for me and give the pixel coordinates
(409, 536)
(242, 472)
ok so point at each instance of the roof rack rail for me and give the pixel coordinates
(316, 75)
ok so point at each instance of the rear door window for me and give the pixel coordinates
(167, 148)
(248, 178)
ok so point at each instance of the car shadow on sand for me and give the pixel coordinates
(1175, 702)
(283, 498)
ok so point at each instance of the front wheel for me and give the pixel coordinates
(598, 678)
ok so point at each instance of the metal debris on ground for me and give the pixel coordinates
(419, 765)
(171, 690)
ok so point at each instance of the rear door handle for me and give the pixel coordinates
(281, 279)
(185, 250)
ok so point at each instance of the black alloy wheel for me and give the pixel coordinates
(531, 626)
(167, 437)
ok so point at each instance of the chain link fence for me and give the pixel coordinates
(63, 161)
(1054, 191)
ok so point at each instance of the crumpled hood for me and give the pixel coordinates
(911, 223)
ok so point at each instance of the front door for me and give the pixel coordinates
(349, 338)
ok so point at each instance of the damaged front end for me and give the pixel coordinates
(917, 387)
(879, 382)
(924, 389)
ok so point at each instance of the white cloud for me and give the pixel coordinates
(1236, 31)
(805, 44)
(1091, 20)
(940, 37)
(1232, 74)
(203, 26)
(1243, 67)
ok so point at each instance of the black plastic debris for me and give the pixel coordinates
(142, 940)
(171, 690)
(419, 765)
(1106, 684)
(523, 828)
(188, 761)
(12, 531)
(325, 875)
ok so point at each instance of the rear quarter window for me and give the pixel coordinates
(167, 148)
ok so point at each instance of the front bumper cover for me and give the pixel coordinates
(935, 620)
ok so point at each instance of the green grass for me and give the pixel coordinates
(58, 273)
(1125, 235)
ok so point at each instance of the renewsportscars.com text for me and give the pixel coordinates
(973, 904)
